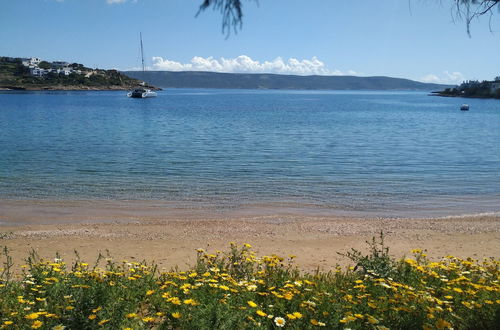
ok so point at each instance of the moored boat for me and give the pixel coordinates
(464, 107)
(141, 92)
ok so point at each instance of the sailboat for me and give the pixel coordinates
(141, 92)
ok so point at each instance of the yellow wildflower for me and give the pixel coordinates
(131, 315)
(92, 317)
(174, 300)
(176, 315)
(260, 313)
(104, 322)
(37, 324)
(251, 303)
(150, 292)
(371, 319)
(442, 324)
(32, 316)
(191, 302)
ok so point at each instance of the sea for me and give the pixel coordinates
(376, 153)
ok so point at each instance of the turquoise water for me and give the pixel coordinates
(388, 153)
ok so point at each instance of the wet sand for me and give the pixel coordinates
(169, 234)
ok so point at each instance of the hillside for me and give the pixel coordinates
(18, 73)
(197, 79)
(474, 89)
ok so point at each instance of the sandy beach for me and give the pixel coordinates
(169, 235)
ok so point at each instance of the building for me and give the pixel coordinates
(494, 86)
(31, 62)
(38, 72)
(57, 67)
(65, 71)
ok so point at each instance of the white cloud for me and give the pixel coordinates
(245, 64)
(446, 77)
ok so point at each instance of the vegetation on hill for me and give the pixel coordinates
(14, 75)
(474, 88)
(239, 290)
(197, 79)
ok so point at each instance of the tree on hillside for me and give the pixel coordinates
(45, 65)
(232, 11)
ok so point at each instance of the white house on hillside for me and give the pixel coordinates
(37, 72)
(31, 62)
(494, 86)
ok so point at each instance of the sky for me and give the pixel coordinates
(414, 39)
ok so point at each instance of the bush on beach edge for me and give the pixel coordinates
(238, 289)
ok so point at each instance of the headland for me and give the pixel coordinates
(35, 74)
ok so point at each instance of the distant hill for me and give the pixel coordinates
(198, 79)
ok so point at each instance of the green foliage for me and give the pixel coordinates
(45, 65)
(472, 88)
(239, 290)
(14, 75)
(377, 262)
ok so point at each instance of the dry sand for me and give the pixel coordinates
(169, 236)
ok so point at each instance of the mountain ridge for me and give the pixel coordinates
(205, 79)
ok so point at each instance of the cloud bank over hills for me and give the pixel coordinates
(444, 78)
(245, 64)
(279, 65)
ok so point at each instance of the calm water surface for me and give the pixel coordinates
(387, 153)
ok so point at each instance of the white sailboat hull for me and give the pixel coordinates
(141, 93)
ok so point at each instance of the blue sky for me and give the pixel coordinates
(415, 39)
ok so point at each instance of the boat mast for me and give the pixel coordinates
(142, 54)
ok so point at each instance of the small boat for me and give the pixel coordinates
(141, 92)
(464, 107)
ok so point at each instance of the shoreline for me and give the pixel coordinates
(18, 212)
(70, 89)
(169, 238)
(463, 96)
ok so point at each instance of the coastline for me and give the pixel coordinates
(72, 88)
(170, 237)
(463, 96)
